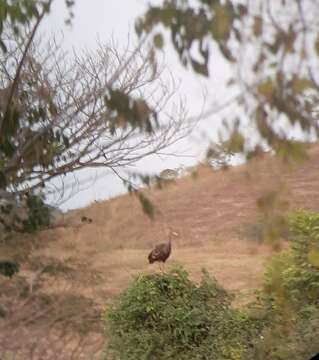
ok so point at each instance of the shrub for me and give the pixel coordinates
(38, 214)
(167, 316)
(26, 214)
(292, 277)
(291, 294)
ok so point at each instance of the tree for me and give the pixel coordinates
(60, 114)
(88, 111)
(19, 13)
(273, 47)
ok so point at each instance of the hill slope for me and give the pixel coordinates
(74, 269)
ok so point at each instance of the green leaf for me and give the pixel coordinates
(266, 89)
(313, 257)
(299, 85)
(221, 23)
(158, 41)
(200, 68)
(257, 26)
(235, 144)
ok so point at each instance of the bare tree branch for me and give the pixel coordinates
(75, 127)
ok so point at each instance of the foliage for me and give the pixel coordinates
(57, 124)
(290, 294)
(60, 114)
(22, 115)
(24, 214)
(293, 275)
(19, 13)
(219, 155)
(167, 316)
(38, 214)
(8, 268)
(273, 48)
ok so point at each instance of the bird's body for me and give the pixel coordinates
(162, 251)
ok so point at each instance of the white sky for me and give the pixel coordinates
(98, 19)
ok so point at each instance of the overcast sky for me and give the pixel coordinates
(98, 19)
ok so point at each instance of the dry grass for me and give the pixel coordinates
(87, 264)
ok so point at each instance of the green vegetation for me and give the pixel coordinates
(267, 87)
(167, 316)
(38, 214)
(294, 274)
(291, 294)
(41, 135)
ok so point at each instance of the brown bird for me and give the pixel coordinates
(162, 251)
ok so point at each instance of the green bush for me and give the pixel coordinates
(292, 277)
(25, 214)
(291, 294)
(167, 316)
(289, 339)
(38, 214)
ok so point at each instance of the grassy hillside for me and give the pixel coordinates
(68, 273)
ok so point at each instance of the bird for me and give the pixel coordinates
(162, 251)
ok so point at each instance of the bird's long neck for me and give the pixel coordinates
(170, 240)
